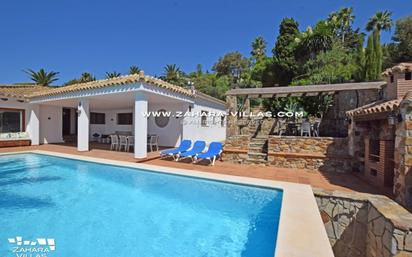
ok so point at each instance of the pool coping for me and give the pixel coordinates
(301, 232)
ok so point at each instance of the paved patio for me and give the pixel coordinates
(325, 180)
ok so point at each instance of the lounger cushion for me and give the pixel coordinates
(184, 146)
(198, 147)
(215, 149)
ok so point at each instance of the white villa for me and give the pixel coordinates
(48, 114)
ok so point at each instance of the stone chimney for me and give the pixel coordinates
(398, 80)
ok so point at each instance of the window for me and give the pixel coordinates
(11, 121)
(97, 118)
(392, 79)
(162, 120)
(408, 75)
(124, 118)
(203, 120)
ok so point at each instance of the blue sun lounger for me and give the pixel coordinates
(197, 148)
(214, 151)
(183, 147)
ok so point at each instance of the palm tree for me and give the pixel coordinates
(114, 74)
(42, 77)
(171, 73)
(258, 48)
(86, 77)
(134, 70)
(346, 18)
(342, 21)
(380, 21)
(314, 41)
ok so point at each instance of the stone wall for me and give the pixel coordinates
(403, 156)
(236, 149)
(231, 120)
(313, 153)
(321, 145)
(360, 225)
(333, 122)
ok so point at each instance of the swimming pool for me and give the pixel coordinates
(93, 209)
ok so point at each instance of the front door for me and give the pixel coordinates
(66, 121)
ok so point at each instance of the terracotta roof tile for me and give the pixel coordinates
(29, 91)
(21, 91)
(375, 107)
(122, 80)
(401, 67)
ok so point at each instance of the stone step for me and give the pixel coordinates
(254, 161)
(256, 145)
(258, 140)
(257, 156)
(260, 154)
(261, 137)
(257, 150)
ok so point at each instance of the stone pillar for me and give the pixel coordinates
(33, 126)
(83, 118)
(231, 127)
(246, 106)
(352, 144)
(403, 157)
(140, 125)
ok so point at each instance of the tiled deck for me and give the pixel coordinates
(325, 180)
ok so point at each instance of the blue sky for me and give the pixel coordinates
(73, 36)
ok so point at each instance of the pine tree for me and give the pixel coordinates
(378, 54)
(360, 61)
(374, 57)
(369, 59)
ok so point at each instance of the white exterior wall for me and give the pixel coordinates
(33, 127)
(83, 125)
(170, 135)
(111, 125)
(192, 128)
(51, 124)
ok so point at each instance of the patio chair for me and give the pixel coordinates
(183, 147)
(215, 150)
(198, 147)
(280, 127)
(115, 142)
(153, 141)
(305, 128)
(122, 142)
(130, 143)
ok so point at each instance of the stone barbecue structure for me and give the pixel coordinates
(380, 136)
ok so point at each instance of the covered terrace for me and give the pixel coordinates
(263, 140)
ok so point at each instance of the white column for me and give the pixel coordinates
(140, 125)
(33, 126)
(185, 123)
(83, 125)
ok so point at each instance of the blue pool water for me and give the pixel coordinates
(102, 210)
